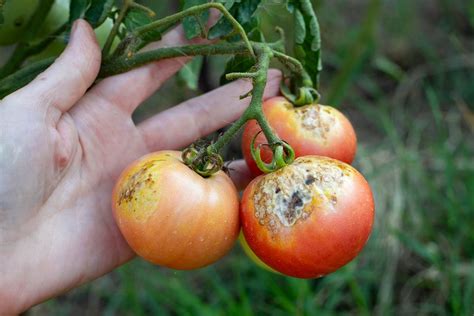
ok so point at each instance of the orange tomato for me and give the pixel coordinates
(252, 256)
(311, 130)
(173, 217)
(309, 218)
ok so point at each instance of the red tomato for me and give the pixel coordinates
(309, 218)
(252, 256)
(172, 216)
(311, 130)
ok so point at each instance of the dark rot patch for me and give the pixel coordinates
(309, 180)
(294, 207)
(136, 181)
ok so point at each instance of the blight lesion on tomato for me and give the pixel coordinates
(285, 199)
(317, 120)
(140, 191)
(136, 182)
(309, 218)
(167, 228)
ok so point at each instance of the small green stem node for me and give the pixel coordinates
(282, 155)
(240, 75)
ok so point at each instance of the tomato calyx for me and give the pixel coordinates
(282, 155)
(299, 90)
(303, 96)
(202, 161)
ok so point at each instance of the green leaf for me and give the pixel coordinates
(137, 17)
(243, 11)
(189, 74)
(237, 63)
(307, 47)
(300, 27)
(77, 9)
(98, 11)
(194, 25)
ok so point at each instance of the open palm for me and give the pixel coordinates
(63, 144)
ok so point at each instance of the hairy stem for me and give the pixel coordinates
(293, 64)
(23, 76)
(172, 19)
(254, 110)
(113, 32)
(123, 64)
(143, 8)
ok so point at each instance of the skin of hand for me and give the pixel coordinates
(64, 142)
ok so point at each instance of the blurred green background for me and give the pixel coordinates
(403, 71)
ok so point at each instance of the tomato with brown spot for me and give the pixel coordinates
(310, 130)
(173, 217)
(309, 218)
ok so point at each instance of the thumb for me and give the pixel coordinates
(68, 78)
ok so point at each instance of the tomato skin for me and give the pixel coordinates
(311, 130)
(171, 216)
(252, 256)
(319, 231)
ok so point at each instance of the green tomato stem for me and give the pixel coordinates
(23, 76)
(254, 110)
(240, 75)
(113, 32)
(173, 19)
(124, 63)
(143, 8)
(289, 62)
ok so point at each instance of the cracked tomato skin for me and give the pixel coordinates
(309, 218)
(311, 130)
(173, 217)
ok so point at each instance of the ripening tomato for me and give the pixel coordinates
(310, 130)
(172, 216)
(309, 218)
(252, 255)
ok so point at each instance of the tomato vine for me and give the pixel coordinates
(136, 26)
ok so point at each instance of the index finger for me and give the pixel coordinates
(181, 125)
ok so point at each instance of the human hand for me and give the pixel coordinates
(62, 146)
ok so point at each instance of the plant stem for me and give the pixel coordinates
(25, 50)
(23, 76)
(254, 110)
(289, 62)
(113, 32)
(123, 64)
(150, 12)
(240, 75)
(172, 19)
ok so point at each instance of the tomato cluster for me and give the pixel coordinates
(312, 217)
(304, 220)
